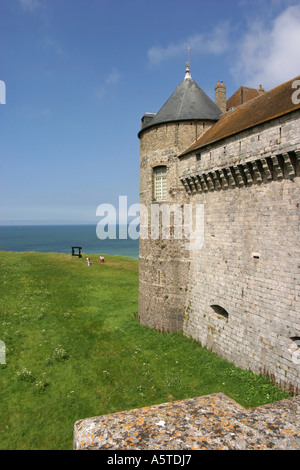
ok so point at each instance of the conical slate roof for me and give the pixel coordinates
(188, 102)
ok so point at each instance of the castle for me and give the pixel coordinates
(237, 160)
(219, 259)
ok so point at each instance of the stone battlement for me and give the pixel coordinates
(266, 153)
(244, 173)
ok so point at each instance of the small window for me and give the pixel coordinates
(296, 340)
(198, 157)
(220, 311)
(160, 183)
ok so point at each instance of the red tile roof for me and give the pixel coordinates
(242, 95)
(268, 106)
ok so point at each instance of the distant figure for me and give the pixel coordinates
(101, 259)
(88, 260)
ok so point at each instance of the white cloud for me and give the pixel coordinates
(30, 5)
(270, 55)
(54, 45)
(100, 92)
(111, 80)
(215, 42)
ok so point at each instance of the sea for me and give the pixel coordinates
(61, 238)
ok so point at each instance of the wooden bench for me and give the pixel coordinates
(79, 248)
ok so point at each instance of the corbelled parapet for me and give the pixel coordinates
(243, 173)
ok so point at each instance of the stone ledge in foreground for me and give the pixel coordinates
(212, 422)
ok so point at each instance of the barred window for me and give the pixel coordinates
(160, 183)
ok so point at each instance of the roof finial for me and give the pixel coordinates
(187, 65)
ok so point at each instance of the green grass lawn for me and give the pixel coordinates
(75, 349)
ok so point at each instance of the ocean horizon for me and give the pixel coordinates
(61, 238)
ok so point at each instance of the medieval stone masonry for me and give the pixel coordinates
(238, 292)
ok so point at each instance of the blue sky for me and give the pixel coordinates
(80, 74)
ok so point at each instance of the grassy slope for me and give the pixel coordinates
(74, 349)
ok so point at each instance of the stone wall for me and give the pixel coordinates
(243, 286)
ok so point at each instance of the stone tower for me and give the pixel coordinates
(220, 96)
(163, 258)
